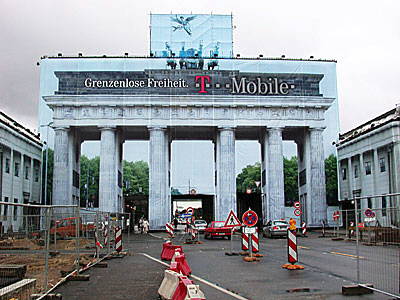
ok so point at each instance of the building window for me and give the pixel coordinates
(15, 210)
(5, 207)
(382, 164)
(7, 165)
(26, 172)
(384, 206)
(367, 168)
(16, 169)
(36, 174)
(344, 173)
(369, 203)
(355, 171)
(302, 178)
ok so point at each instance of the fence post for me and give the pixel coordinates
(78, 227)
(357, 239)
(109, 233)
(47, 243)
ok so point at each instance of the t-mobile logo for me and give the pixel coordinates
(204, 82)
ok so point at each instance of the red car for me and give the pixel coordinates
(217, 229)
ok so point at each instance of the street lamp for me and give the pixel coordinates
(47, 158)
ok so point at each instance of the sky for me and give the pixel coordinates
(363, 36)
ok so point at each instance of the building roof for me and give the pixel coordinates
(17, 127)
(283, 57)
(390, 116)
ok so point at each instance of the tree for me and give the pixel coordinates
(175, 191)
(136, 177)
(290, 172)
(247, 178)
(331, 180)
(89, 181)
(50, 165)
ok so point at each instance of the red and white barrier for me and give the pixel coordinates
(105, 235)
(245, 241)
(303, 228)
(186, 290)
(169, 284)
(352, 229)
(170, 229)
(168, 250)
(292, 246)
(255, 242)
(118, 239)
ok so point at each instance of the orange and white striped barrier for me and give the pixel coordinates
(105, 235)
(245, 241)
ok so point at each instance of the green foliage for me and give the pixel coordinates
(90, 169)
(247, 178)
(331, 180)
(290, 178)
(136, 177)
(50, 165)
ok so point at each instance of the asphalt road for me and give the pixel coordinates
(328, 265)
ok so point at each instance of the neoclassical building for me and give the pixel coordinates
(116, 99)
(20, 175)
(369, 164)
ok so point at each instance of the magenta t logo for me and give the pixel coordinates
(203, 79)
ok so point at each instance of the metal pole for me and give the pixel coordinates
(78, 227)
(47, 240)
(109, 234)
(129, 226)
(232, 239)
(87, 187)
(97, 235)
(357, 240)
(251, 244)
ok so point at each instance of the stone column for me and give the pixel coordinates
(31, 178)
(350, 177)
(376, 202)
(264, 177)
(226, 174)
(108, 200)
(317, 176)
(276, 193)
(159, 199)
(61, 183)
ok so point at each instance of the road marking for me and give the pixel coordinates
(199, 279)
(303, 247)
(345, 254)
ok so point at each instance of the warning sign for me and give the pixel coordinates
(232, 220)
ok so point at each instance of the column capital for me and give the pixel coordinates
(155, 128)
(275, 128)
(223, 128)
(107, 127)
(65, 128)
(321, 128)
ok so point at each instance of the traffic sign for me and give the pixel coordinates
(297, 204)
(250, 218)
(190, 210)
(232, 220)
(297, 212)
(336, 215)
(248, 230)
(369, 213)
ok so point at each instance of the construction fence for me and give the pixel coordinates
(373, 227)
(48, 243)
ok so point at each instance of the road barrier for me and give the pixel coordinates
(170, 229)
(118, 239)
(245, 241)
(255, 242)
(378, 242)
(292, 251)
(169, 284)
(303, 229)
(169, 250)
(57, 239)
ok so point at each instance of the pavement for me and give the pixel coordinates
(328, 265)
